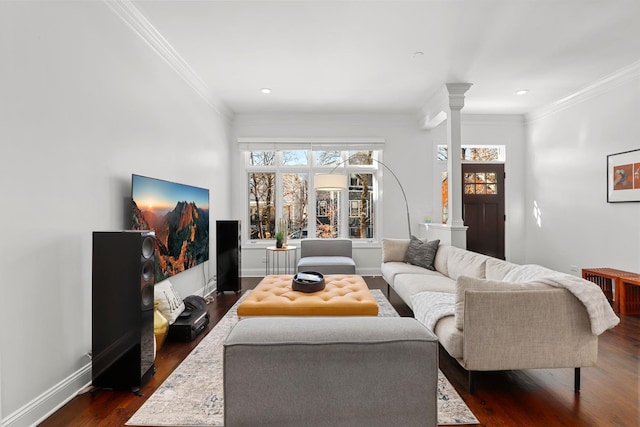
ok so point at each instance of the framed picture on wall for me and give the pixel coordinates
(623, 177)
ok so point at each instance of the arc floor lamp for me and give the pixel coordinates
(337, 182)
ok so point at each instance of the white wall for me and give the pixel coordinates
(84, 103)
(566, 179)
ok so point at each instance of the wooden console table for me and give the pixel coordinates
(610, 280)
(630, 294)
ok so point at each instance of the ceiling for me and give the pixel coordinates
(360, 56)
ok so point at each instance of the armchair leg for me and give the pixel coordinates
(576, 380)
(471, 386)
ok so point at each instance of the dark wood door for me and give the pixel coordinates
(483, 207)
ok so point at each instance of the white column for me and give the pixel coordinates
(454, 164)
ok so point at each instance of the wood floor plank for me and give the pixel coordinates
(540, 397)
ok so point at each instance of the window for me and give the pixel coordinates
(476, 153)
(295, 202)
(280, 185)
(480, 183)
(360, 201)
(261, 205)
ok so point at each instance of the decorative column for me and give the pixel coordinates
(454, 164)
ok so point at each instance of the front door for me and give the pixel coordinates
(483, 207)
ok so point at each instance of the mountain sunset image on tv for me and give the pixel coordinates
(179, 215)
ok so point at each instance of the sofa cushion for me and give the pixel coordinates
(450, 337)
(328, 264)
(394, 250)
(440, 262)
(406, 285)
(465, 283)
(422, 253)
(390, 270)
(496, 268)
(461, 262)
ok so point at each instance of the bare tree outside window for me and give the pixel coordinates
(361, 157)
(490, 153)
(261, 203)
(326, 158)
(295, 194)
(295, 158)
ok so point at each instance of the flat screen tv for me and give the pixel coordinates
(179, 215)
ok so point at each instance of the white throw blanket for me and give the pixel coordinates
(600, 312)
(430, 307)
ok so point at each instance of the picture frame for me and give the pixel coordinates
(623, 177)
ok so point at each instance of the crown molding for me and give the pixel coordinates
(477, 119)
(132, 16)
(603, 85)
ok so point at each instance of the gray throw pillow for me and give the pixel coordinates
(422, 253)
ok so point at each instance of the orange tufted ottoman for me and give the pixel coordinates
(343, 295)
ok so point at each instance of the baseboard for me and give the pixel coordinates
(50, 401)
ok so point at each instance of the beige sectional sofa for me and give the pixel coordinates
(491, 314)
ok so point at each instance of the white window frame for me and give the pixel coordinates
(344, 145)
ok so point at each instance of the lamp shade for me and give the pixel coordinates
(330, 182)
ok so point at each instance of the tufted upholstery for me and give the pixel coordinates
(343, 295)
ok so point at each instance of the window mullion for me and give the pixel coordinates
(279, 194)
(311, 209)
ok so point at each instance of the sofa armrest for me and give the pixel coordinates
(526, 329)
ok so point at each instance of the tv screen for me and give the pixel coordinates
(179, 215)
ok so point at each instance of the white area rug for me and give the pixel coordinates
(192, 395)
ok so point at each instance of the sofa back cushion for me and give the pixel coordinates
(325, 247)
(394, 250)
(465, 283)
(461, 262)
(497, 269)
(440, 262)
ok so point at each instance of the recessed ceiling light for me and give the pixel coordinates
(416, 55)
(265, 90)
(522, 92)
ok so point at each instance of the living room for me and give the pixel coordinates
(86, 102)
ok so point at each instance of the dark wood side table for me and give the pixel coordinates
(608, 279)
(630, 294)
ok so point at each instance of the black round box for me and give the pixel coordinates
(308, 281)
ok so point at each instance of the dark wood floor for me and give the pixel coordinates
(541, 397)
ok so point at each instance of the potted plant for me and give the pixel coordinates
(279, 239)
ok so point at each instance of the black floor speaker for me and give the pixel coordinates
(228, 255)
(122, 309)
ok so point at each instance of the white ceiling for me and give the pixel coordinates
(358, 56)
